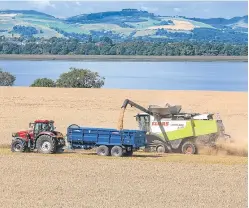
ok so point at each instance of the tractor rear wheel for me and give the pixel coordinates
(18, 146)
(117, 151)
(103, 150)
(46, 144)
(189, 148)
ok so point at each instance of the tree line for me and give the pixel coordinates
(74, 78)
(26, 31)
(105, 46)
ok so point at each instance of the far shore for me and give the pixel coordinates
(123, 58)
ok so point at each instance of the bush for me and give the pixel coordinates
(43, 82)
(80, 78)
(6, 79)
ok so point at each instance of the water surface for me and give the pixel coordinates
(216, 76)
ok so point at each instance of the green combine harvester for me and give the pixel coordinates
(170, 130)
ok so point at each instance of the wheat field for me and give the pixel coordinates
(82, 179)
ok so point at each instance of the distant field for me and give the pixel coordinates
(122, 58)
(143, 25)
(105, 27)
(144, 32)
(178, 25)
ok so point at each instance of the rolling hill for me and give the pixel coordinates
(127, 24)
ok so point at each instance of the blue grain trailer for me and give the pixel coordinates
(106, 141)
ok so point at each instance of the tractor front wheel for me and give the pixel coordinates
(18, 146)
(46, 144)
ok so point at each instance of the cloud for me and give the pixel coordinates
(149, 9)
(42, 4)
(78, 3)
(177, 9)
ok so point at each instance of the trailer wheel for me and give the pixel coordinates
(103, 150)
(117, 151)
(189, 148)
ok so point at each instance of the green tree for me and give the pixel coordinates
(80, 78)
(6, 79)
(131, 47)
(43, 82)
(106, 40)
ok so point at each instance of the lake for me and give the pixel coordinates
(215, 76)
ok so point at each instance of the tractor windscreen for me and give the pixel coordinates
(44, 127)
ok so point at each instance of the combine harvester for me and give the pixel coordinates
(170, 130)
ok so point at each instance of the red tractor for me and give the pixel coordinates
(41, 136)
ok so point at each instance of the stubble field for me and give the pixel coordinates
(145, 180)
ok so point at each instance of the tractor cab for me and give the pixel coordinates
(42, 126)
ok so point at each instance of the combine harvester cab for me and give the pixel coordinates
(170, 130)
(106, 141)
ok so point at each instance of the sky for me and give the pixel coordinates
(63, 9)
